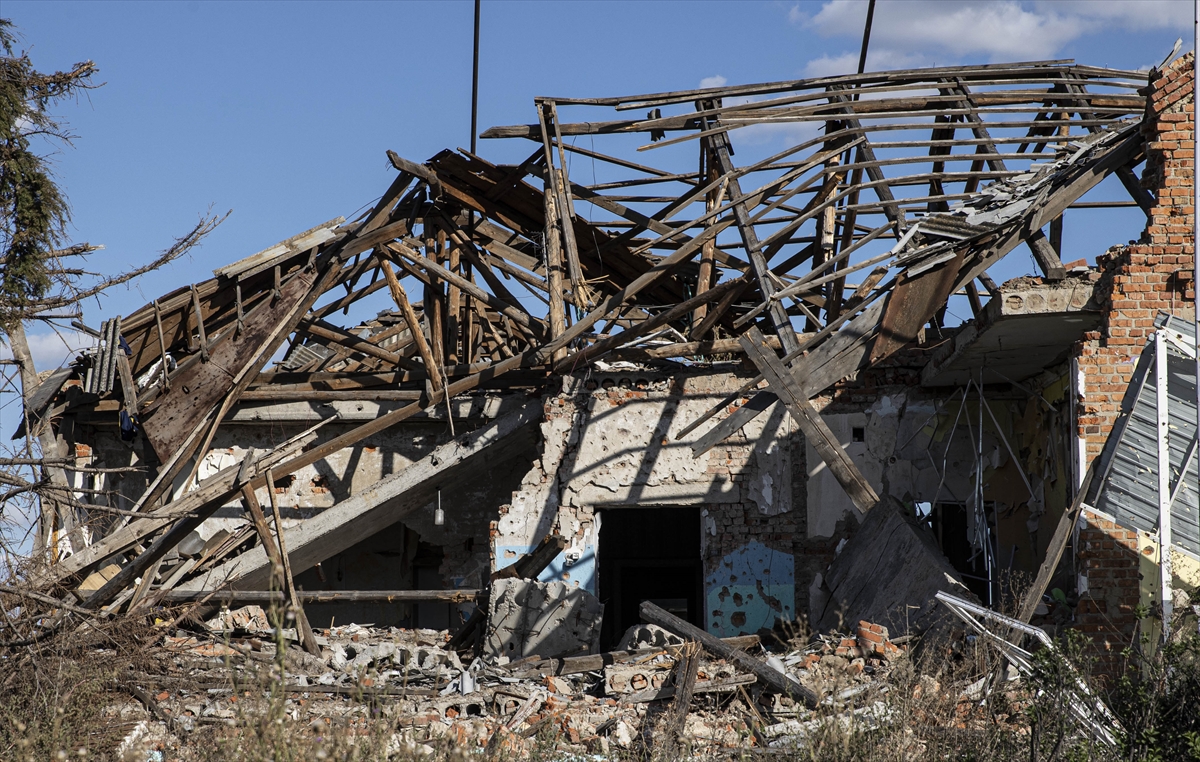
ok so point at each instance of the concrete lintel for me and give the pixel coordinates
(1027, 327)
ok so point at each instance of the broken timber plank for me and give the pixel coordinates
(1047, 258)
(354, 343)
(303, 628)
(410, 319)
(769, 676)
(382, 504)
(242, 597)
(687, 668)
(1054, 551)
(814, 427)
(912, 302)
(196, 391)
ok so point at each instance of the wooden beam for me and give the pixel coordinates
(410, 318)
(847, 351)
(516, 313)
(307, 639)
(355, 343)
(816, 431)
(1054, 551)
(758, 263)
(464, 595)
(766, 675)
(1046, 256)
(574, 665)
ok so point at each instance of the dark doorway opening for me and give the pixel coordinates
(649, 554)
(952, 527)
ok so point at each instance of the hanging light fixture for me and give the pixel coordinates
(439, 516)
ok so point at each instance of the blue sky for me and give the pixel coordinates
(282, 111)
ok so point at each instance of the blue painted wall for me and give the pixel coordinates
(582, 572)
(749, 589)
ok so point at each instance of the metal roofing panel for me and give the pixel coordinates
(1129, 488)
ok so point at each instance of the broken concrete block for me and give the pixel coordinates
(546, 619)
(641, 636)
(888, 574)
(626, 678)
(251, 618)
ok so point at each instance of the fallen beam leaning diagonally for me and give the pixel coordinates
(382, 504)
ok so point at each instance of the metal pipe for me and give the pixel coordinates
(475, 82)
(862, 56)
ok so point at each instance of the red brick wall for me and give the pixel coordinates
(1137, 281)
(1154, 274)
(1108, 555)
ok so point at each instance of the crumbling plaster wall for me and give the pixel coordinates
(772, 514)
(610, 442)
(921, 446)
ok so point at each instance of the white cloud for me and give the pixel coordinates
(1143, 14)
(906, 31)
(1003, 30)
(878, 59)
(51, 349)
(832, 66)
(713, 81)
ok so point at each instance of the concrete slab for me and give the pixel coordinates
(1028, 327)
(546, 619)
(888, 574)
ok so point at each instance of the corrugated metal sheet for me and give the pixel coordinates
(1129, 464)
(103, 369)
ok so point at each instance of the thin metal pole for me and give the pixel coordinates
(475, 82)
(1163, 410)
(862, 56)
(1195, 228)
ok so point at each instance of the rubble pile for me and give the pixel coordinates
(432, 695)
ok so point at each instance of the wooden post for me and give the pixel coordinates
(708, 251)
(453, 308)
(554, 271)
(433, 301)
(470, 326)
(559, 187)
(307, 639)
(264, 533)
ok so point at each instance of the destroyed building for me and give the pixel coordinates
(728, 389)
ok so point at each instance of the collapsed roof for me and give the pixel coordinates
(912, 183)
